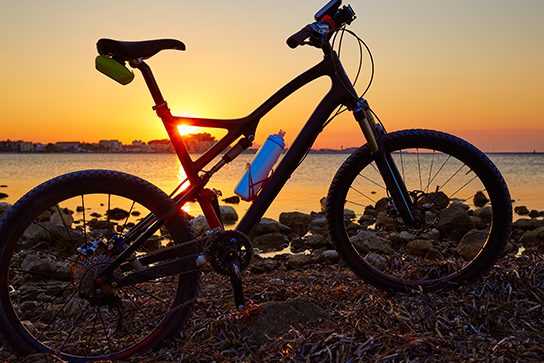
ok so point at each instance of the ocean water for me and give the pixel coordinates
(524, 174)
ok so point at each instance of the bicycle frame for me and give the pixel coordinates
(246, 126)
(340, 93)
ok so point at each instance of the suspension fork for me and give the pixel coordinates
(384, 161)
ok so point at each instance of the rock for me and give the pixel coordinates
(323, 203)
(418, 246)
(366, 220)
(366, 241)
(38, 263)
(527, 224)
(349, 214)
(267, 225)
(288, 217)
(528, 238)
(455, 218)
(232, 200)
(521, 210)
(298, 245)
(62, 217)
(228, 214)
(276, 318)
(402, 238)
(480, 199)
(383, 221)
(381, 206)
(298, 260)
(458, 203)
(271, 242)
(297, 221)
(319, 226)
(153, 243)
(369, 211)
(28, 305)
(534, 214)
(485, 214)
(331, 257)
(471, 243)
(376, 260)
(315, 241)
(4, 207)
(29, 326)
(441, 198)
(433, 235)
(200, 225)
(117, 214)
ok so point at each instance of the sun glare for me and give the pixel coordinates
(184, 129)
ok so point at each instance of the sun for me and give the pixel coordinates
(184, 129)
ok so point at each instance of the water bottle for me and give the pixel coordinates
(260, 167)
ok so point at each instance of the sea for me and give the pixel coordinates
(19, 173)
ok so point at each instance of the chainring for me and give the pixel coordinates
(225, 247)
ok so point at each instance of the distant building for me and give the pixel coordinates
(16, 146)
(67, 145)
(111, 145)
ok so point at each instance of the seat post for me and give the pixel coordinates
(149, 80)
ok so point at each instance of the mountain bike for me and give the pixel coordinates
(99, 264)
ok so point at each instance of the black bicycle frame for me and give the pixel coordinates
(340, 93)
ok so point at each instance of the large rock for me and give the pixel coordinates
(4, 207)
(527, 224)
(62, 217)
(455, 218)
(366, 241)
(319, 226)
(276, 318)
(471, 244)
(267, 225)
(315, 241)
(271, 242)
(200, 225)
(299, 260)
(297, 221)
(228, 214)
(38, 263)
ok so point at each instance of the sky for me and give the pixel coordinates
(473, 68)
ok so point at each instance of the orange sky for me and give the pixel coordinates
(475, 69)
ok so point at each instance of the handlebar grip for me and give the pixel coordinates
(296, 39)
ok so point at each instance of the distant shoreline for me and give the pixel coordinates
(253, 151)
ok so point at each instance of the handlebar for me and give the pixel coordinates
(296, 39)
(324, 25)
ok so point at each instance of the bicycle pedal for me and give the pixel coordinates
(242, 313)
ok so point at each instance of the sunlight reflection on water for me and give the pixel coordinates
(524, 174)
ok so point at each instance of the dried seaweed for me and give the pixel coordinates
(496, 319)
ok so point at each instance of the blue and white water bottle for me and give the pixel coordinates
(260, 167)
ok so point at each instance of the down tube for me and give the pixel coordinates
(290, 161)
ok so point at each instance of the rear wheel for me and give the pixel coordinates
(48, 301)
(457, 193)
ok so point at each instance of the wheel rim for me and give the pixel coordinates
(47, 275)
(396, 256)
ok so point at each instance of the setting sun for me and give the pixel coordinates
(184, 129)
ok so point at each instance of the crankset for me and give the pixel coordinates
(229, 253)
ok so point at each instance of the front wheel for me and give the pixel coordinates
(457, 194)
(48, 298)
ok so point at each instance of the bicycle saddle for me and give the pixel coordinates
(133, 50)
